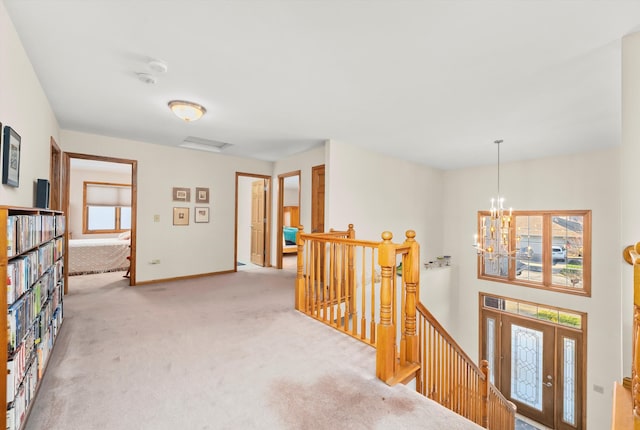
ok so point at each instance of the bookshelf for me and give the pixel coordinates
(31, 263)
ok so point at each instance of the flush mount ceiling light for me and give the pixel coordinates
(187, 111)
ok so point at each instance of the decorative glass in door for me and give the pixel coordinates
(526, 366)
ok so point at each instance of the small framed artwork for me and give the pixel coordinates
(201, 214)
(181, 194)
(202, 195)
(11, 157)
(180, 216)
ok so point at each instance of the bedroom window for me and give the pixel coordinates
(552, 250)
(106, 207)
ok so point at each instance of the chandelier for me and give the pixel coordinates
(494, 242)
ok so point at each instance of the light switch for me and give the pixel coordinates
(156, 218)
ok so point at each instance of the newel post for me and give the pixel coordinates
(300, 295)
(386, 337)
(484, 392)
(351, 279)
(411, 270)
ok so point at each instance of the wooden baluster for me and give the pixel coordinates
(386, 332)
(300, 287)
(484, 392)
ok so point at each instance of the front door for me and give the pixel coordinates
(536, 361)
(257, 222)
(528, 368)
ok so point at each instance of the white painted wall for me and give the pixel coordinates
(629, 201)
(25, 108)
(244, 219)
(377, 193)
(182, 250)
(77, 178)
(581, 181)
(290, 197)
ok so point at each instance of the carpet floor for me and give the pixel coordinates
(222, 352)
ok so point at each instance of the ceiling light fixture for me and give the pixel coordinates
(495, 232)
(187, 111)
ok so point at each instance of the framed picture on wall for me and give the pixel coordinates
(180, 216)
(201, 214)
(11, 157)
(202, 195)
(181, 194)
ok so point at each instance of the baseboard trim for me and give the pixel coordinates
(182, 278)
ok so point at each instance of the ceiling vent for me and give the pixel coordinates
(203, 144)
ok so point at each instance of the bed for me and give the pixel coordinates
(98, 255)
(289, 237)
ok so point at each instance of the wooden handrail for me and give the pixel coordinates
(337, 283)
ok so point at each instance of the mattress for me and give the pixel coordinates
(98, 255)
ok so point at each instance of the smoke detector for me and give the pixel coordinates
(146, 78)
(157, 66)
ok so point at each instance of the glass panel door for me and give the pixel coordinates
(528, 368)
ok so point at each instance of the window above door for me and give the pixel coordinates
(550, 250)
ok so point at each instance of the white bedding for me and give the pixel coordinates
(98, 255)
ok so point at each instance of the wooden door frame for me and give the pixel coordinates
(67, 156)
(279, 230)
(267, 227)
(314, 197)
(581, 351)
(55, 175)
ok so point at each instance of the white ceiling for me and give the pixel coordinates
(435, 82)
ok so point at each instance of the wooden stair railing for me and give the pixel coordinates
(339, 283)
(626, 400)
(449, 376)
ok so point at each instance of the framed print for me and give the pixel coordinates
(202, 195)
(181, 194)
(11, 157)
(201, 214)
(180, 216)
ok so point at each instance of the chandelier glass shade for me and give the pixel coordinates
(493, 241)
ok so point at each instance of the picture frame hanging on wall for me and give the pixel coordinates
(201, 214)
(180, 216)
(181, 194)
(11, 157)
(202, 195)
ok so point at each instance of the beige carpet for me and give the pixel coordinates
(224, 352)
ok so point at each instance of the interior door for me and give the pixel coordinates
(258, 190)
(317, 199)
(527, 368)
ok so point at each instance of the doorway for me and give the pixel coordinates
(131, 167)
(536, 359)
(288, 217)
(253, 220)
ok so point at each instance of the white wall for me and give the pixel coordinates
(581, 181)
(182, 250)
(290, 197)
(25, 108)
(377, 193)
(630, 203)
(76, 181)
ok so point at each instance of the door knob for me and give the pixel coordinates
(547, 384)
